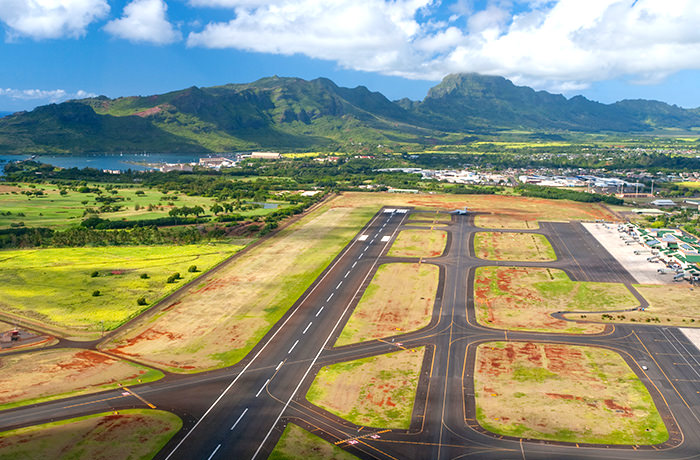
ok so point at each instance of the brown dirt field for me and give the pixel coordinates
(216, 322)
(526, 247)
(49, 374)
(399, 299)
(563, 392)
(9, 188)
(130, 434)
(378, 391)
(517, 298)
(526, 208)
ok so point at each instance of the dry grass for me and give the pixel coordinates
(217, 322)
(399, 299)
(564, 393)
(430, 217)
(527, 247)
(52, 374)
(419, 243)
(129, 435)
(523, 299)
(669, 305)
(507, 221)
(298, 444)
(378, 391)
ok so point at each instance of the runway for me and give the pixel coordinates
(241, 412)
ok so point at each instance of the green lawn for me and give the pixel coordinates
(56, 286)
(298, 444)
(58, 211)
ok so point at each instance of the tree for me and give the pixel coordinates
(216, 209)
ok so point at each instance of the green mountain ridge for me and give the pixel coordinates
(295, 114)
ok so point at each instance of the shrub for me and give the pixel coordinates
(174, 277)
(96, 293)
(192, 269)
(144, 276)
(95, 274)
(142, 301)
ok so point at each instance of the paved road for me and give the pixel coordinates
(241, 412)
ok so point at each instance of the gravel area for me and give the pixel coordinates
(643, 271)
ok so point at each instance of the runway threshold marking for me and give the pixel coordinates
(138, 397)
(215, 451)
(262, 388)
(295, 344)
(239, 419)
(307, 327)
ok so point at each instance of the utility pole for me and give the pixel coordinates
(652, 187)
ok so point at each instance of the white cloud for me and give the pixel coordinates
(41, 19)
(144, 21)
(52, 95)
(563, 44)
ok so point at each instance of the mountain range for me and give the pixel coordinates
(296, 114)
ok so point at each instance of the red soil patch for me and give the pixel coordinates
(85, 360)
(567, 397)
(145, 336)
(147, 112)
(612, 405)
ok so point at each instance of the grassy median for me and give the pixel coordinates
(298, 444)
(524, 247)
(563, 393)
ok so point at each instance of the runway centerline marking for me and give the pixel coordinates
(319, 311)
(320, 350)
(307, 327)
(346, 275)
(330, 297)
(239, 418)
(295, 344)
(279, 365)
(339, 285)
(281, 327)
(215, 451)
(262, 388)
(353, 264)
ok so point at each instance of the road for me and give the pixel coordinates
(241, 412)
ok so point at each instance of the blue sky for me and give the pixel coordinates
(607, 50)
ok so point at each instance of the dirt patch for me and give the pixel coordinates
(568, 393)
(520, 298)
(43, 375)
(378, 391)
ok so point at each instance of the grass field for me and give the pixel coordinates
(563, 393)
(58, 373)
(298, 444)
(244, 299)
(399, 299)
(690, 184)
(378, 391)
(527, 247)
(522, 299)
(134, 434)
(419, 243)
(58, 211)
(55, 287)
(506, 221)
(436, 217)
(669, 305)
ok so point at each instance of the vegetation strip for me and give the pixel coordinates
(526, 247)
